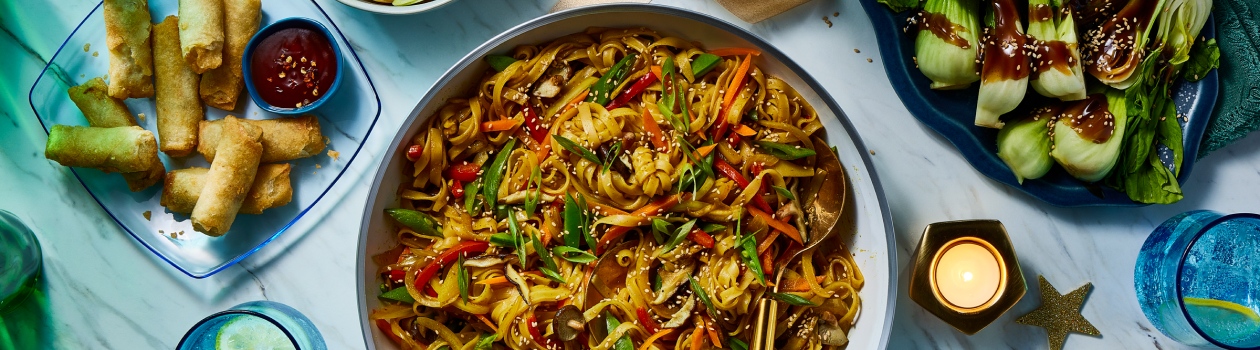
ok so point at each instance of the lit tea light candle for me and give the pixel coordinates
(967, 274)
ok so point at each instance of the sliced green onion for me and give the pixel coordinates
(586, 223)
(577, 149)
(485, 342)
(573, 254)
(660, 228)
(516, 237)
(461, 274)
(612, 323)
(785, 152)
(543, 253)
(552, 274)
(704, 297)
(712, 227)
(503, 240)
(791, 299)
(612, 156)
(679, 236)
(784, 192)
(531, 200)
(601, 92)
(737, 344)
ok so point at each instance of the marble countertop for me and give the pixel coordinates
(103, 290)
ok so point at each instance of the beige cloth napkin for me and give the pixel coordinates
(753, 11)
(568, 4)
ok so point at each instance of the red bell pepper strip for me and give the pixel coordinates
(634, 90)
(733, 140)
(447, 257)
(756, 168)
(457, 189)
(649, 324)
(767, 263)
(465, 172)
(702, 238)
(533, 124)
(396, 276)
(383, 325)
(414, 152)
(731, 173)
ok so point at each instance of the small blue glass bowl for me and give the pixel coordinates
(292, 22)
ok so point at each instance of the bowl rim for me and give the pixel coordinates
(767, 49)
(384, 9)
(266, 32)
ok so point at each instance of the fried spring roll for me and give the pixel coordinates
(271, 189)
(201, 33)
(178, 109)
(121, 149)
(283, 139)
(130, 58)
(101, 110)
(220, 87)
(229, 179)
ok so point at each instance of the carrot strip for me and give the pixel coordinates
(603, 209)
(735, 51)
(696, 339)
(657, 71)
(704, 151)
(499, 125)
(713, 335)
(574, 102)
(652, 339)
(546, 142)
(649, 210)
(654, 130)
(493, 281)
(788, 230)
(487, 322)
(765, 244)
(737, 83)
(745, 131)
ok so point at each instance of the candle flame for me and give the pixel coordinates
(966, 276)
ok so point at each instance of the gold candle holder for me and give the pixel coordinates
(966, 273)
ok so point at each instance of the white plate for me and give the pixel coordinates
(372, 6)
(873, 246)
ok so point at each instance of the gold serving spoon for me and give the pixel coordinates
(824, 201)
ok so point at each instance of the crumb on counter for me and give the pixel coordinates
(327, 140)
(317, 166)
(836, 14)
(87, 47)
(148, 215)
(334, 154)
(141, 116)
(855, 50)
(872, 152)
(827, 21)
(868, 60)
(96, 53)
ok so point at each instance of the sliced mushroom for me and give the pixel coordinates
(609, 275)
(829, 331)
(490, 260)
(554, 82)
(569, 322)
(516, 280)
(678, 318)
(671, 278)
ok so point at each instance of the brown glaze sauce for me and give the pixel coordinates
(1047, 55)
(1004, 56)
(939, 25)
(1091, 118)
(1109, 49)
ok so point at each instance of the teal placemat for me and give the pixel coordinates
(1237, 109)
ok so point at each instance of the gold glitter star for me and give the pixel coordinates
(1060, 314)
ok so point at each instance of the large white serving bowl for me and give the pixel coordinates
(371, 6)
(872, 245)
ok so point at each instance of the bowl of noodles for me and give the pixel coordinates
(622, 176)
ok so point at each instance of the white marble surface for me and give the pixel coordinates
(103, 290)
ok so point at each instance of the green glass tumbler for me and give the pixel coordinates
(20, 260)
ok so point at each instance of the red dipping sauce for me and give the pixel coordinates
(293, 67)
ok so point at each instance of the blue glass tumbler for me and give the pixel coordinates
(254, 325)
(1198, 279)
(20, 260)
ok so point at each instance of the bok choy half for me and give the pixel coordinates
(1004, 76)
(1053, 51)
(947, 42)
(1115, 50)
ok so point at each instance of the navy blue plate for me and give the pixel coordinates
(952, 114)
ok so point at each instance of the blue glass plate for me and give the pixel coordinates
(345, 120)
(952, 113)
